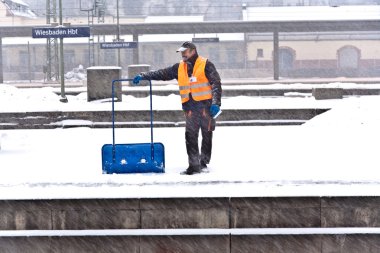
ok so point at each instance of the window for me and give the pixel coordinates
(348, 57)
(260, 53)
(286, 58)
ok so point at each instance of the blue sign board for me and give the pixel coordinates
(61, 32)
(119, 44)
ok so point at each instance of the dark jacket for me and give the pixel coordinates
(172, 73)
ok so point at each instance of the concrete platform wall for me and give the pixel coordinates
(141, 218)
(221, 213)
(194, 244)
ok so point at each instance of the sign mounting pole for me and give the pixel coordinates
(61, 59)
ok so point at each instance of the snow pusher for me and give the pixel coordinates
(135, 157)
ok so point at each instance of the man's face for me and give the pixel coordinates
(187, 54)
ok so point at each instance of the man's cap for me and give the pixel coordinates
(185, 46)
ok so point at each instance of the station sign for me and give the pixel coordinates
(118, 44)
(61, 32)
(205, 40)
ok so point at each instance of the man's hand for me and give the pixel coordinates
(214, 110)
(137, 79)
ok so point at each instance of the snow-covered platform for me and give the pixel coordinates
(331, 155)
(322, 174)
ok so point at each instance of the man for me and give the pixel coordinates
(200, 89)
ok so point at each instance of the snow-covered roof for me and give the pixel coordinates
(299, 13)
(27, 14)
(19, 2)
(14, 7)
(173, 19)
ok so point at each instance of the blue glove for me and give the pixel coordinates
(214, 109)
(137, 79)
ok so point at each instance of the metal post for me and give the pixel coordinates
(61, 59)
(136, 50)
(48, 45)
(90, 63)
(1, 61)
(118, 32)
(29, 65)
(47, 12)
(245, 51)
(276, 65)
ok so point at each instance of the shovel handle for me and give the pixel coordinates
(113, 116)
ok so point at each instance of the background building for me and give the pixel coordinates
(331, 54)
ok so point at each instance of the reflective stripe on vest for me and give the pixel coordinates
(200, 89)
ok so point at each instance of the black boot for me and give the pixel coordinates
(192, 169)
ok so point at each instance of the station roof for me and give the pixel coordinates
(173, 19)
(259, 20)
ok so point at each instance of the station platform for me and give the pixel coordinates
(300, 188)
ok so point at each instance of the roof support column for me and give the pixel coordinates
(136, 50)
(276, 65)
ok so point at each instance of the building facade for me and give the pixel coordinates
(332, 54)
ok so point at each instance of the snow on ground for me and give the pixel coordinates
(334, 154)
(14, 99)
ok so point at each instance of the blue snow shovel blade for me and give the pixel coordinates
(133, 158)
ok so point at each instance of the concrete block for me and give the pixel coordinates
(350, 212)
(275, 243)
(109, 244)
(7, 220)
(185, 213)
(350, 243)
(25, 244)
(275, 212)
(33, 220)
(21, 215)
(96, 214)
(327, 93)
(98, 219)
(135, 69)
(99, 82)
(185, 244)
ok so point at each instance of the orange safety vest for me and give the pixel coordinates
(197, 84)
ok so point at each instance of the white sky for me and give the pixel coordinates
(333, 154)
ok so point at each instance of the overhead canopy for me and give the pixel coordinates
(216, 27)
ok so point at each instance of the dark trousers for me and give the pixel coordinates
(199, 119)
